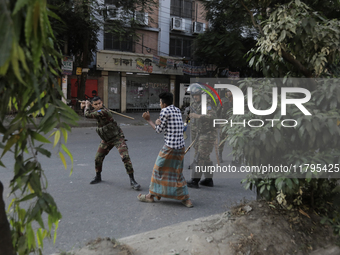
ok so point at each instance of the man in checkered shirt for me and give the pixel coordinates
(172, 124)
(167, 179)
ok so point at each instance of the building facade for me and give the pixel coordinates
(135, 71)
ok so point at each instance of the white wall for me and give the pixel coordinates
(164, 25)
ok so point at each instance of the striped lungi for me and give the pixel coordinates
(167, 178)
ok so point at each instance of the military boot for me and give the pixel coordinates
(193, 183)
(133, 183)
(207, 182)
(97, 178)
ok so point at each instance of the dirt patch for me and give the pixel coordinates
(255, 228)
(266, 228)
(102, 246)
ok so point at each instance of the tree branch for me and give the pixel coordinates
(290, 59)
(252, 18)
(307, 73)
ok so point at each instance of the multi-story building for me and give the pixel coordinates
(135, 72)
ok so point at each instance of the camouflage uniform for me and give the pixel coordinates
(227, 105)
(204, 145)
(112, 136)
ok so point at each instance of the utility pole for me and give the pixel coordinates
(85, 44)
(67, 69)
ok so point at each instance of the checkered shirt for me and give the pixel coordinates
(172, 125)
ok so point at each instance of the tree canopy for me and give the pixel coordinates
(297, 44)
(236, 26)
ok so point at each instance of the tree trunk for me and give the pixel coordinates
(5, 233)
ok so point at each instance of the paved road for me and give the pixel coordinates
(111, 209)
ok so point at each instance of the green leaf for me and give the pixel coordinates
(39, 220)
(12, 140)
(289, 183)
(30, 236)
(296, 181)
(39, 137)
(65, 134)
(55, 231)
(15, 65)
(251, 61)
(48, 114)
(49, 125)
(277, 135)
(282, 36)
(43, 151)
(262, 189)
(63, 159)
(50, 222)
(53, 15)
(28, 197)
(56, 138)
(6, 35)
(69, 154)
(18, 6)
(49, 199)
(40, 238)
(34, 181)
(247, 186)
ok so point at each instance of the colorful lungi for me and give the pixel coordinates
(167, 178)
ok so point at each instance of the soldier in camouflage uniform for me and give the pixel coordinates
(227, 105)
(111, 135)
(202, 128)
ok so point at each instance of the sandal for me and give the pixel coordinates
(187, 203)
(143, 198)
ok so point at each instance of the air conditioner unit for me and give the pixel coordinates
(142, 18)
(178, 24)
(119, 14)
(198, 27)
(114, 13)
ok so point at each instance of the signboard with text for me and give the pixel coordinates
(67, 65)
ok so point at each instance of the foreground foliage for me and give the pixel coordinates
(295, 41)
(29, 67)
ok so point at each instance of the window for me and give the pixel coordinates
(180, 47)
(119, 43)
(181, 8)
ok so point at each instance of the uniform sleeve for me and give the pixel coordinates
(164, 119)
(211, 113)
(94, 114)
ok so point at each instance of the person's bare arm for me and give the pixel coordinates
(146, 116)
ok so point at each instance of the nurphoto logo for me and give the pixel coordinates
(238, 105)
